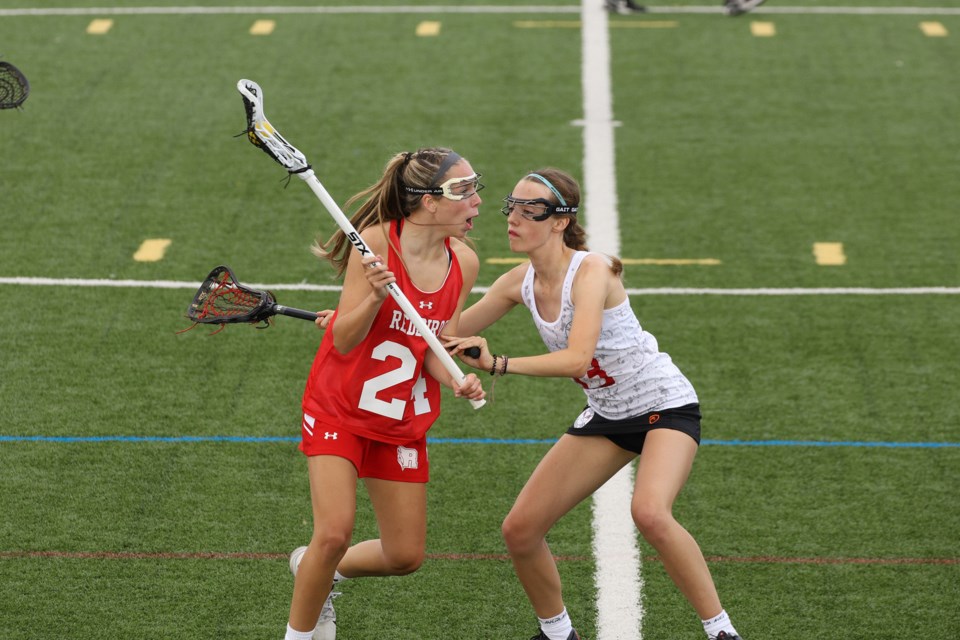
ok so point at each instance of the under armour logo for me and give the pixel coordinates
(329, 436)
(426, 305)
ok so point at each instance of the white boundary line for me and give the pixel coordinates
(466, 9)
(617, 576)
(618, 579)
(599, 165)
(663, 291)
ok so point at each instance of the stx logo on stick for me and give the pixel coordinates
(358, 242)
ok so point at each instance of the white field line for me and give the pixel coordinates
(465, 9)
(663, 291)
(618, 578)
(599, 166)
(617, 575)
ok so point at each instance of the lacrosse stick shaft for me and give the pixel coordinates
(294, 313)
(353, 236)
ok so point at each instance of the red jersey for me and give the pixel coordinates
(379, 389)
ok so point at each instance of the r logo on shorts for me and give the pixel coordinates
(408, 458)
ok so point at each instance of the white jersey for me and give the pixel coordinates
(629, 375)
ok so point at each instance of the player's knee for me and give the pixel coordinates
(518, 535)
(330, 545)
(652, 520)
(404, 561)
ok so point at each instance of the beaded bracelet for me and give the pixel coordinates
(493, 368)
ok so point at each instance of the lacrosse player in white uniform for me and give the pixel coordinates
(638, 401)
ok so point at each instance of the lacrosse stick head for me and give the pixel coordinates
(14, 87)
(262, 134)
(222, 300)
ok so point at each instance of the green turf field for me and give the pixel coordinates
(150, 486)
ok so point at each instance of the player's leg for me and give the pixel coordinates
(662, 470)
(401, 511)
(573, 469)
(395, 477)
(333, 489)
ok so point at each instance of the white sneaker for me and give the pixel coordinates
(326, 628)
(295, 557)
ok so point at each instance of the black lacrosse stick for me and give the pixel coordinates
(14, 87)
(222, 300)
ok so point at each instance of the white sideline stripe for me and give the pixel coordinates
(618, 579)
(535, 9)
(617, 574)
(663, 291)
(599, 167)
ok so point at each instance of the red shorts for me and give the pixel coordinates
(373, 459)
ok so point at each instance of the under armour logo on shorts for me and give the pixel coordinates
(408, 458)
(329, 436)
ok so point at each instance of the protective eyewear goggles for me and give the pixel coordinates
(537, 209)
(454, 188)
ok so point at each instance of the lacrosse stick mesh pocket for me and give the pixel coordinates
(222, 300)
(14, 87)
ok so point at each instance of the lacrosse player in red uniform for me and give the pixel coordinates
(374, 388)
(639, 404)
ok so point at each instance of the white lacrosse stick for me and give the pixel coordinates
(262, 134)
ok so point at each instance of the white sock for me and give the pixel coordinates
(720, 622)
(293, 634)
(558, 627)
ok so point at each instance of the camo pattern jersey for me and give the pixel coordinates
(629, 374)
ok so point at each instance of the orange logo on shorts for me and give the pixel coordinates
(654, 418)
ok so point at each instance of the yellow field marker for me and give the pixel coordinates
(152, 250)
(613, 24)
(643, 24)
(263, 27)
(547, 24)
(933, 29)
(763, 29)
(99, 27)
(829, 254)
(704, 262)
(428, 28)
(710, 262)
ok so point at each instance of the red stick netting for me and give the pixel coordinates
(226, 300)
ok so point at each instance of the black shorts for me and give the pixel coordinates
(630, 433)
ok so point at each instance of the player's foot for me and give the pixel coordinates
(542, 636)
(624, 7)
(723, 635)
(326, 628)
(735, 8)
(295, 557)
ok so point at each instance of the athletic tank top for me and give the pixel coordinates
(629, 374)
(379, 390)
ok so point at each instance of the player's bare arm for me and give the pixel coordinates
(363, 293)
